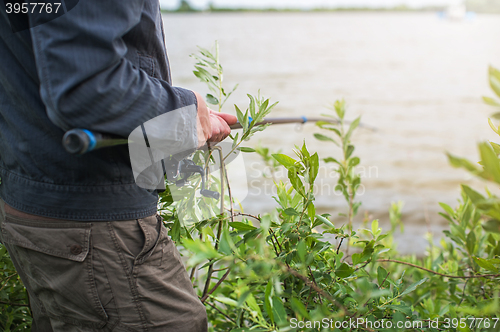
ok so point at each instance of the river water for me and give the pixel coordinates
(416, 78)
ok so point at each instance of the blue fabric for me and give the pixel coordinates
(101, 66)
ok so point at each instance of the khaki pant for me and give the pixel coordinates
(102, 276)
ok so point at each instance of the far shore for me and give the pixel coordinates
(293, 10)
(318, 10)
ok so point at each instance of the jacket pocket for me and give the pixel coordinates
(147, 63)
(56, 261)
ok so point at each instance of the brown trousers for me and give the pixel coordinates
(101, 276)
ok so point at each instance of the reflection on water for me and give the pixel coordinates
(414, 77)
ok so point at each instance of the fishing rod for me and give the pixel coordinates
(81, 141)
(299, 120)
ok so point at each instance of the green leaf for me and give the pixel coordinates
(296, 182)
(204, 76)
(413, 286)
(267, 300)
(356, 259)
(263, 106)
(314, 167)
(324, 138)
(244, 149)
(471, 242)
(353, 126)
(284, 160)
(299, 308)
(349, 151)
(241, 226)
(401, 308)
(339, 107)
(226, 300)
(252, 106)
(305, 154)
(239, 115)
(448, 209)
(235, 140)
(375, 228)
(490, 161)
(324, 220)
(291, 212)
(491, 102)
(381, 275)
(226, 243)
(279, 311)
(473, 195)
(495, 147)
(492, 226)
(344, 271)
(212, 100)
(462, 163)
(445, 216)
(354, 162)
(486, 264)
(492, 126)
(302, 250)
(311, 210)
(494, 80)
(331, 160)
(252, 303)
(329, 126)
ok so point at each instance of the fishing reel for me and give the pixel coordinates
(180, 172)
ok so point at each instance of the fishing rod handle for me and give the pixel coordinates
(80, 141)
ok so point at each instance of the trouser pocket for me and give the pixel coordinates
(155, 239)
(56, 265)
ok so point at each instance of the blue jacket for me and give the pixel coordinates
(101, 66)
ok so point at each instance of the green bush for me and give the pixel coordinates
(279, 271)
(14, 312)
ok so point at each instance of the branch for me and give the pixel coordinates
(314, 281)
(223, 314)
(361, 267)
(14, 304)
(246, 215)
(387, 276)
(340, 244)
(221, 221)
(316, 288)
(440, 274)
(205, 297)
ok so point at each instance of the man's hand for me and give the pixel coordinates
(220, 125)
(212, 126)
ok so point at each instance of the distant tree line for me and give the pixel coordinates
(481, 6)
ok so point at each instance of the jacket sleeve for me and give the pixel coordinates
(85, 79)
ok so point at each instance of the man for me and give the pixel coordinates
(82, 234)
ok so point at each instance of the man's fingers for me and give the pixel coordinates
(228, 118)
(220, 129)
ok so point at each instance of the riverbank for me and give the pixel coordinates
(297, 10)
